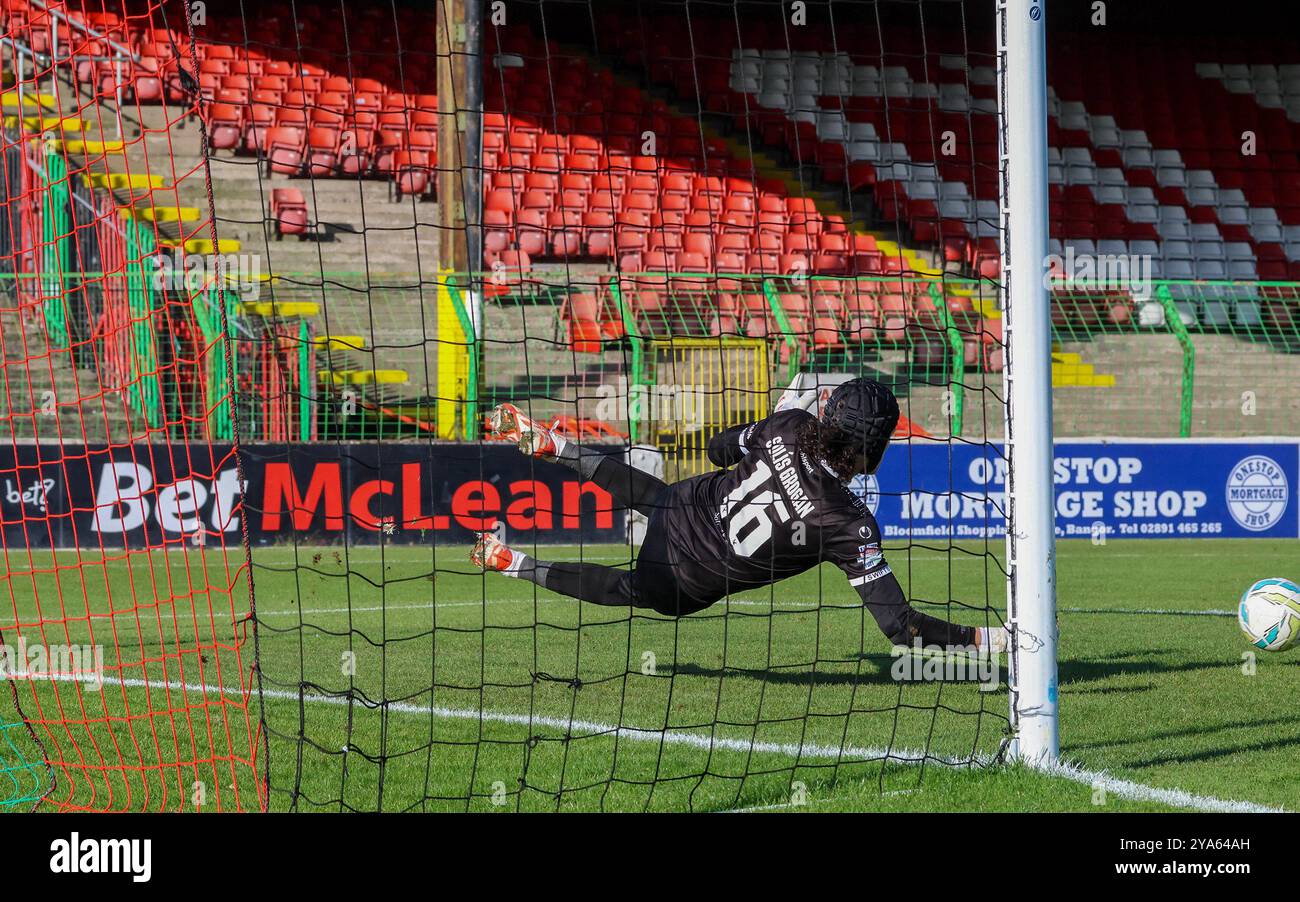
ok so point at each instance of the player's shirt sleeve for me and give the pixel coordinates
(856, 550)
(731, 445)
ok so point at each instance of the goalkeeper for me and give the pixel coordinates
(782, 507)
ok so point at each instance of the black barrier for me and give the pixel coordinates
(148, 495)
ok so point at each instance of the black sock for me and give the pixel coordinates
(590, 582)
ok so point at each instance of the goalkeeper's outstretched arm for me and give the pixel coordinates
(902, 624)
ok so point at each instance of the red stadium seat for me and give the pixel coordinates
(498, 232)
(226, 126)
(662, 239)
(289, 212)
(412, 171)
(598, 229)
(322, 151)
(283, 149)
(355, 152)
(580, 311)
(531, 231)
(565, 231)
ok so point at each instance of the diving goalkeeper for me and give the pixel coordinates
(781, 506)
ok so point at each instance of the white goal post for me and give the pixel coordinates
(1027, 325)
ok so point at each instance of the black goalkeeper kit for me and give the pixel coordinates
(775, 511)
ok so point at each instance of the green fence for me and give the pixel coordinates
(1190, 357)
(166, 383)
(1178, 359)
(218, 377)
(55, 247)
(1182, 359)
(145, 388)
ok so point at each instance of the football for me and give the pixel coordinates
(1269, 614)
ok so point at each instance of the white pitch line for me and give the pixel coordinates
(424, 605)
(1167, 612)
(779, 806)
(1125, 789)
(778, 606)
(1141, 792)
(274, 559)
(1155, 612)
(415, 606)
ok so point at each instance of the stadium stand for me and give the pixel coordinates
(1123, 179)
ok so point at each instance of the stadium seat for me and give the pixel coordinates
(580, 313)
(283, 150)
(289, 212)
(226, 126)
(322, 151)
(411, 171)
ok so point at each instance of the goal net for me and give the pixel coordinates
(266, 266)
(128, 632)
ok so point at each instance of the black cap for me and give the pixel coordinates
(862, 412)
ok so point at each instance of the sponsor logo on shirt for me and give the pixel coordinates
(871, 577)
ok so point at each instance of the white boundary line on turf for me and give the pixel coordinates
(421, 606)
(780, 606)
(1141, 792)
(1168, 612)
(778, 603)
(1125, 789)
(282, 560)
(810, 804)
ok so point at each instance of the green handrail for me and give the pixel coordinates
(637, 343)
(55, 239)
(783, 323)
(217, 381)
(957, 378)
(146, 389)
(1175, 323)
(474, 348)
(306, 387)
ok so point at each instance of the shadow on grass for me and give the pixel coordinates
(1224, 751)
(1150, 662)
(1196, 731)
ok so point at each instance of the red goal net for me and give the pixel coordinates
(126, 634)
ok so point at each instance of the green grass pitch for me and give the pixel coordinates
(416, 683)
